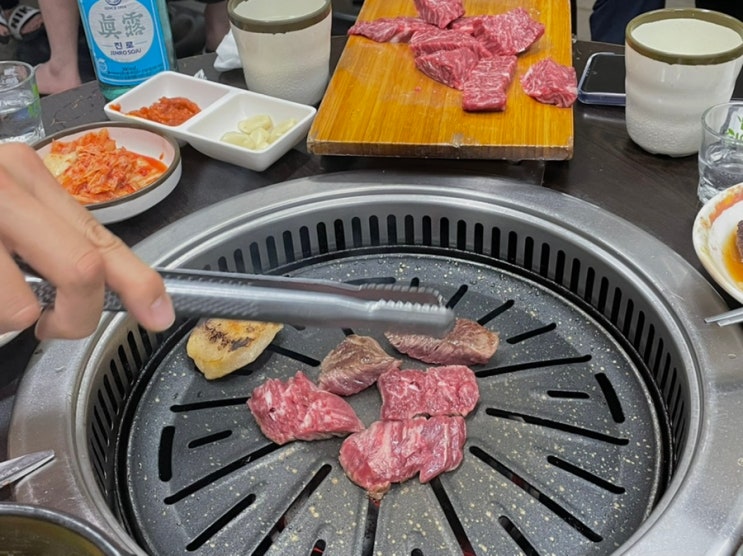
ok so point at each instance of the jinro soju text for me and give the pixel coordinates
(129, 40)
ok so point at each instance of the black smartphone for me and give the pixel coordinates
(602, 81)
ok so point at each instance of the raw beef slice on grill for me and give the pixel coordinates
(354, 364)
(439, 12)
(450, 390)
(450, 67)
(395, 451)
(299, 410)
(551, 83)
(468, 343)
(434, 39)
(390, 29)
(486, 89)
(512, 32)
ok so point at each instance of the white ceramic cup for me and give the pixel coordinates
(284, 46)
(679, 63)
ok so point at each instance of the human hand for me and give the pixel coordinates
(42, 224)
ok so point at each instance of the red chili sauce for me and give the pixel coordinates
(167, 110)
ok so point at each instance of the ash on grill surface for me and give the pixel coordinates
(566, 452)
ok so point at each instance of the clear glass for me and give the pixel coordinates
(721, 151)
(20, 107)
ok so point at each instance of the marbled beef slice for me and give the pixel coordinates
(354, 365)
(467, 343)
(394, 451)
(433, 39)
(439, 12)
(509, 33)
(298, 410)
(449, 390)
(389, 29)
(551, 83)
(450, 67)
(486, 89)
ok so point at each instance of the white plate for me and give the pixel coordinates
(222, 107)
(714, 229)
(137, 139)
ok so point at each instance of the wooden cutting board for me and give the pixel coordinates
(378, 104)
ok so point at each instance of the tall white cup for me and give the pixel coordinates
(284, 46)
(679, 63)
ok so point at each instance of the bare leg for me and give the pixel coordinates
(217, 24)
(60, 72)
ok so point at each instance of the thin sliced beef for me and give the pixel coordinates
(390, 29)
(439, 12)
(434, 39)
(512, 32)
(450, 67)
(468, 343)
(551, 83)
(354, 364)
(486, 89)
(394, 451)
(450, 390)
(299, 410)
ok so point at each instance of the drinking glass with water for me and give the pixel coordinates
(20, 107)
(721, 152)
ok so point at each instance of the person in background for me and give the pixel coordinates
(44, 225)
(61, 71)
(729, 7)
(216, 22)
(19, 21)
(609, 18)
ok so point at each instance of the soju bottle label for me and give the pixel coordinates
(127, 40)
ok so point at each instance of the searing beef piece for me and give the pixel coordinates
(450, 67)
(434, 39)
(468, 343)
(439, 12)
(739, 240)
(299, 410)
(509, 33)
(551, 83)
(354, 365)
(450, 390)
(486, 89)
(389, 29)
(394, 451)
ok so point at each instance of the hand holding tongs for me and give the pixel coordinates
(198, 293)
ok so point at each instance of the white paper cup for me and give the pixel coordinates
(284, 46)
(679, 63)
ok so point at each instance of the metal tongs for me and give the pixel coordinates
(724, 319)
(17, 468)
(301, 302)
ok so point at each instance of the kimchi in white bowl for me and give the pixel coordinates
(116, 170)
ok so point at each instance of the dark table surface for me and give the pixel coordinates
(656, 193)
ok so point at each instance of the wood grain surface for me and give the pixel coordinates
(378, 104)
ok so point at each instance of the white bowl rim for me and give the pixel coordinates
(139, 127)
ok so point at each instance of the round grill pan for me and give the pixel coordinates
(608, 421)
(567, 449)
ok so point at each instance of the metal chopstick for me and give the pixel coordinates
(724, 319)
(17, 468)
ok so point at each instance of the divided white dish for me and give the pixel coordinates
(222, 107)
